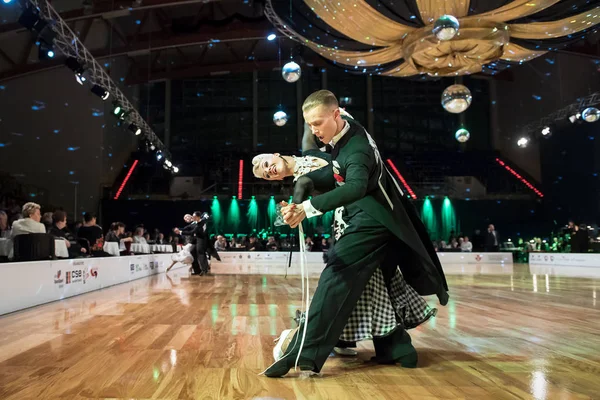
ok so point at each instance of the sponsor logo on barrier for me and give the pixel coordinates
(151, 264)
(94, 272)
(132, 268)
(478, 258)
(138, 267)
(145, 266)
(57, 278)
(74, 276)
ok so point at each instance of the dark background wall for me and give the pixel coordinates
(536, 89)
(59, 137)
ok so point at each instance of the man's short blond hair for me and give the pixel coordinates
(29, 209)
(320, 98)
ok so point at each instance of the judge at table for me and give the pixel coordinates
(59, 231)
(30, 223)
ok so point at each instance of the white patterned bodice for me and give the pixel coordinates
(307, 164)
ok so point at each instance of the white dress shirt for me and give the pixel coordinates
(309, 210)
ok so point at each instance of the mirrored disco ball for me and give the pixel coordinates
(591, 114)
(456, 99)
(446, 27)
(291, 72)
(280, 118)
(462, 135)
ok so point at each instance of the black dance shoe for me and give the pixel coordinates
(283, 366)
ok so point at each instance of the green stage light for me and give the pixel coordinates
(429, 219)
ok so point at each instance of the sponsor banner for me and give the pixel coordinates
(561, 259)
(276, 263)
(46, 281)
(475, 258)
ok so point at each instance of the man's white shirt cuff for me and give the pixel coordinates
(309, 210)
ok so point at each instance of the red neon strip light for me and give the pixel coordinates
(240, 180)
(399, 175)
(135, 163)
(519, 177)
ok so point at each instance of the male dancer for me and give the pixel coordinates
(197, 233)
(382, 229)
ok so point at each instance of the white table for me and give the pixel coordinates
(7, 248)
(161, 248)
(140, 248)
(60, 248)
(112, 248)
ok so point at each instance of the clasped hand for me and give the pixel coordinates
(293, 214)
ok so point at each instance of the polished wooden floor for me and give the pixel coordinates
(502, 336)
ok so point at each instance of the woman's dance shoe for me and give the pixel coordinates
(283, 342)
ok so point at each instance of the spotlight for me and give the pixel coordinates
(125, 114)
(175, 169)
(152, 147)
(6, 1)
(271, 37)
(159, 155)
(31, 20)
(590, 114)
(117, 110)
(100, 92)
(522, 142)
(168, 163)
(546, 132)
(45, 51)
(83, 77)
(573, 118)
(134, 128)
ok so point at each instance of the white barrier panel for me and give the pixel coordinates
(28, 284)
(475, 258)
(276, 263)
(565, 270)
(574, 259)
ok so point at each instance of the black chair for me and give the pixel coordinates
(34, 247)
(85, 244)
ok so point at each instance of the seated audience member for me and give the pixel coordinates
(324, 245)
(254, 244)
(160, 239)
(59, 231)
(147, 237)
(308, 243)
(272, 244)
(30, 223)
(117, 233)
(221, 243)
(138, 236)
(92, 232)
(466, 245)
(4, 229)
(47, 220)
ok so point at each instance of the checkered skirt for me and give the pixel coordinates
(379, 311)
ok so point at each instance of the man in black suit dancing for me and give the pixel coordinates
(199, 237)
